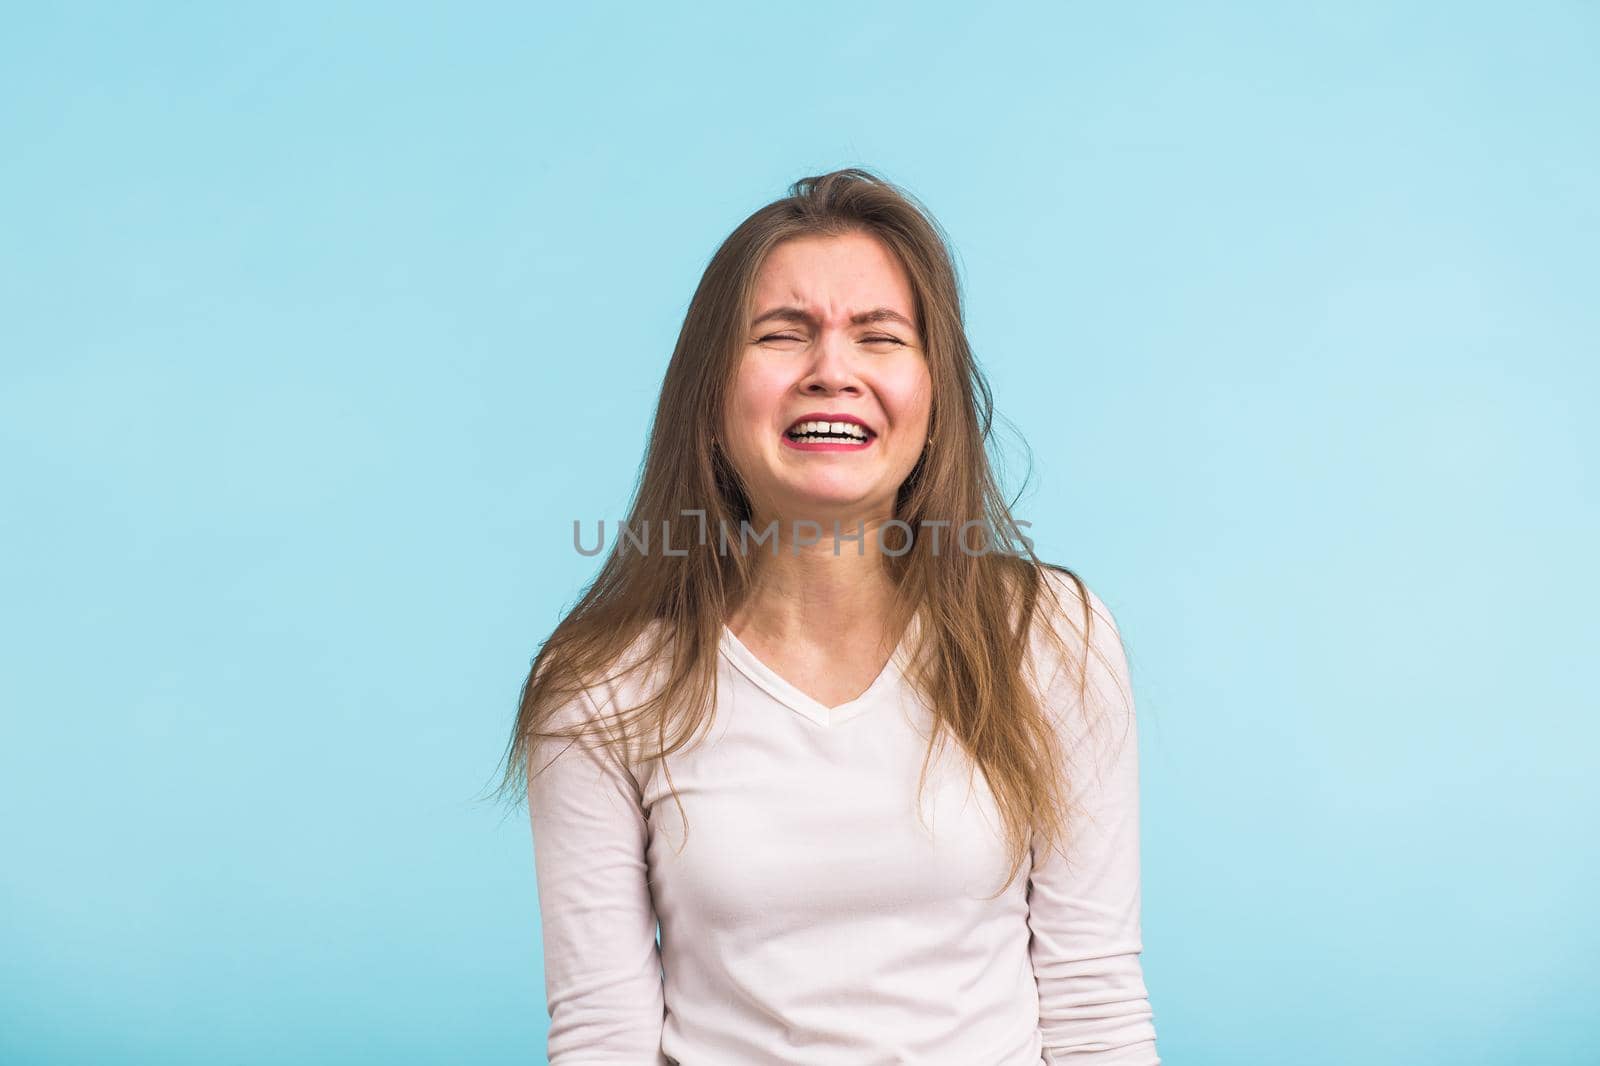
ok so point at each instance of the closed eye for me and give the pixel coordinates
(877, 339)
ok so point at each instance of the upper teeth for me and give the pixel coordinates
(847, 429)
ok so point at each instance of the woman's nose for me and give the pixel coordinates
(831, 364)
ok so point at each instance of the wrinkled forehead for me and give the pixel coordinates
(833, 282)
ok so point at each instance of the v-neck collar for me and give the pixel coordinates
(790, 696)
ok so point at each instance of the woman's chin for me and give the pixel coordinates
(825, 502)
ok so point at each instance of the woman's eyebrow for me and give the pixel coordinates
(796, 314)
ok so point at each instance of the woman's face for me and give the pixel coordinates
(832, 339)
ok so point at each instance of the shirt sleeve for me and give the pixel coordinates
(601, 961)
(1083, 911)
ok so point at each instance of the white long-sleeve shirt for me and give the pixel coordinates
(809, 918)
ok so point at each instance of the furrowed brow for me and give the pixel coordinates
(881, 314)
(784, 314)
(796, 314)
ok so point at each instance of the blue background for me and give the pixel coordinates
(319, 324)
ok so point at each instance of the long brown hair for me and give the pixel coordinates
(978, 611)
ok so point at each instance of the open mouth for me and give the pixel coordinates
(810, 431)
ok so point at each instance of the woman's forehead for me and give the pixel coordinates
(844, 280)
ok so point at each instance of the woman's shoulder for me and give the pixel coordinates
(1087, 648)
(1073, 593)
(596, 706)
(1068, 602)
(593, 689)
(634, 667)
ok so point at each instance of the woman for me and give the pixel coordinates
(870, 767)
